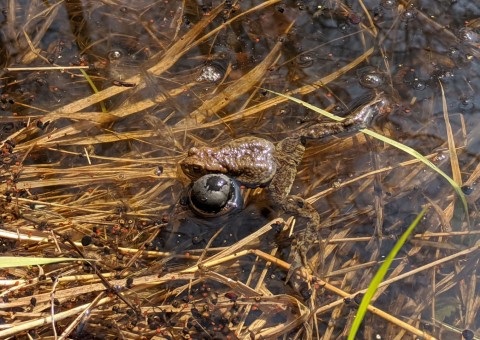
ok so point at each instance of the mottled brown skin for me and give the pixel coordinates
(255, 162)
(251, 160)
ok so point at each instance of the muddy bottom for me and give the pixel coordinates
(100, 102)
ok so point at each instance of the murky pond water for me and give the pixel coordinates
(100, 101)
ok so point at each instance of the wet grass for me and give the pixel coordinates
(81, 182)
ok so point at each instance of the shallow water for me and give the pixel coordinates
(166, 97)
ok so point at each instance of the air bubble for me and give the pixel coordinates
(372, 79)
(469, 36)
(210, 73)
(408, 15)
(467, 189)
(343, 27)
(454, 52)
(389, 4)
(377, 13)
(159, 170)
(466, 104)
(419, 85)
(467, 334)
(115, 55)
(300, 6)
(304, 60)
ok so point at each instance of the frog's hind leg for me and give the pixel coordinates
(325, 129)
(359, 119)
(289, 153)
(301, 208)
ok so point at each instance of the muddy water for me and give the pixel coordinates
(332, 54)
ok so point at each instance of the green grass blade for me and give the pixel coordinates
(14, 261)
(372, 288)
(94, 88)
(387, 140)
(423, 159)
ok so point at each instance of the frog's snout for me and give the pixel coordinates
(182, 174)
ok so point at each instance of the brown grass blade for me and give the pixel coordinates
(456, 173)
(235, 90)
(278, 100)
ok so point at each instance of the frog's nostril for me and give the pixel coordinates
(192, 152)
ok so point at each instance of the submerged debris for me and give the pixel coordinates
(101, 100)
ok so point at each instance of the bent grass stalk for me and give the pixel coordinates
(387, 140)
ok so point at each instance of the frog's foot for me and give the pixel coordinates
(299, 207)
(299, 264)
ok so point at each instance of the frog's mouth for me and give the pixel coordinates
(182, 175)
(193, 172)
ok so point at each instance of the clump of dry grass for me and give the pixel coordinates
(83, 183)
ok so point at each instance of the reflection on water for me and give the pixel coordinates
(173, 75)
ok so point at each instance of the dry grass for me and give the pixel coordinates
(75, 173)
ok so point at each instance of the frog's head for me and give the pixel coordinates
(200, 162)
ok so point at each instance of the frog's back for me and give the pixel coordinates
(251, 160)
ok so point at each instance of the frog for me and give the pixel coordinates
(257, 162)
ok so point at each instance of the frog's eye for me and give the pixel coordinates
(196, 169)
